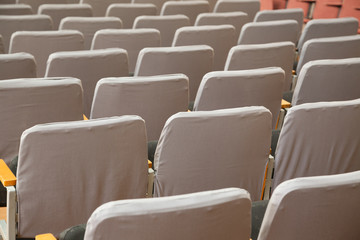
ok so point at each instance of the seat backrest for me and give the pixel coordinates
(328, 80)
(193, 61)
(191, 9)
(102, 160)
(15, 9)
(89, 66)
(157, 3)
(216, 214)
(296, 14)
(60, 11)
(10, 24)
(269, 31)
(100, 7)
(350, 8)
(231, 89)
(26, 102)
(127, 12)
(318, 139)
(208, 150)
(314, 208)
(154, 99)
(17, 65)
(281, 54)
(250, 7)
(220, 38)
(326, 9)
(132, 40)
(88, 26)
(41, 44)
(36, 3)
(236, 19)
(167, 25)
(323, 28)
(329, 48)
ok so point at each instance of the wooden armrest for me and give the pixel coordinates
(285, 104)
(149, 164)
(46, 236)
(84, 117)
(7, 178)
(334, 4)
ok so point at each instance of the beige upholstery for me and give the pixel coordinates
(15, 9)
(17, 65)
(132, 40)
(250, 7)
(322, 28)
(328, 80)
(155, 99)
(281, 54)
(2, 47)
(230, 89)
(89, 66)
(68, 169)
(205, 215)
(269, 31)
(208, 150)
(193, 61)
(127, 12)
(157, 3)
(323, 207)
(189, 8)
(318, 139)
(237, 19)
(296, 14)
(26, 102)
(11, 24)
(167, 25)
(221, 38)
(42, 43)
(60, 11)
(329, 48)
(100, 6)
(89, 25)
(36, 3)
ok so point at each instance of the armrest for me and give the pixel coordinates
(7, 178)
(84, 117)
(285, 104)
(334, 4)
(46, 236)
(149, 164)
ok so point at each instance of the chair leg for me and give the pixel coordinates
(8, 227)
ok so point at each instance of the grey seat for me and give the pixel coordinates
(250, 7)
(15, 9)
(100, 7)
(17, 65)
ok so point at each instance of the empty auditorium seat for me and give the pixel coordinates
(100, 7)
(15, 9)
(17, 65)
(250, 7)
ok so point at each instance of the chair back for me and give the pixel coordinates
(100, 7)
(250, 7)
(208, 150)
(17, 65)
(15, 9)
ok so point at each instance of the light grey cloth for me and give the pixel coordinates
(127, 12)
(41, 44)
(89, 25)
(89, 66)
(36, 3)
(220, 38)
(328, 80)
(154, 98)
(193, 61)
(318, 139)
(296, 14)
(132, 40)
(60, 11)
(323, 207)
(17, 65)
(250, 7)
(329, 48)
(281, 54)
(11, 24)
(236, 19)
(100, 7)
(167, 25)
(191, 9)
(15, 9)
(26, 102)
(220, 214)
(269, 31)
(68, 169)
(230, 89)
(322, 28)
(208, 150)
